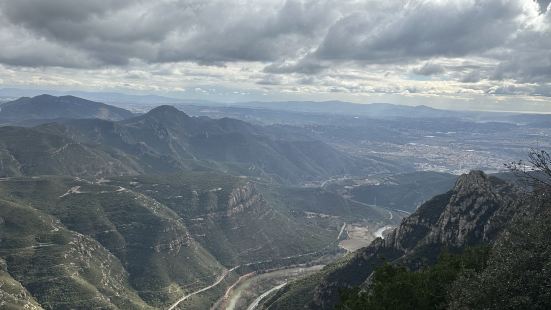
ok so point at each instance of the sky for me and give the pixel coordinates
(456, 54)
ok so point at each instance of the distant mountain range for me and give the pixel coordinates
(78, 142)
(46, 107)
(269, 109)
(108, 97)
(374, 110)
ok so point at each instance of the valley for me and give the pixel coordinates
(100, 210)
(419, 138)
(275, 155)
(171, 211)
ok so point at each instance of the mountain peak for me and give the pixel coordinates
(43, 107)
(474, 181)
(164, 114)
(474, 176)
(165, 109)
(43, 96)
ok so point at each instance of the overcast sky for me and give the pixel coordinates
(462, 54)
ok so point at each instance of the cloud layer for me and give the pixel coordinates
(447, 47)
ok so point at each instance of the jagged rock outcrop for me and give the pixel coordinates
(242, 198)
(174, 237)
(473, 212)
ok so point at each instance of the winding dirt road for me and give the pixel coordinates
(220, 279)
(255, 303)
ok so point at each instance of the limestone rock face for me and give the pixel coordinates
(473, 212)
(242, 198)
(172, 238)
(470, 213)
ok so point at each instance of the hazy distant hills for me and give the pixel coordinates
(374, 110)
(107, 97)
(166, 139)
(281, 111)
(404, 191)
(31, 152)
(46, 107)
(83, 140)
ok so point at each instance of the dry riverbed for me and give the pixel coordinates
(361, 235)
(245, 293)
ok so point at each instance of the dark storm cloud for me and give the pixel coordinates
(421, 30)
(59, 19)
(304, 66)
(428, 69)
(530, 58)
(114, 32)
(544, 4)
(299, 37)
(471, 77)
(264, 35)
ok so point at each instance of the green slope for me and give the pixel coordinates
(29, 152)
(144, 241)
(146, 237)
(233, 218)
(61, 268)
(166, 139)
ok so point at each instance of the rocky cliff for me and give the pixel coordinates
(473, 212)
(242, 198)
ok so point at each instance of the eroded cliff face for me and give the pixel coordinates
(473, 212)
(135, 242)
(172, 238)
(243, 198)
(213, 205)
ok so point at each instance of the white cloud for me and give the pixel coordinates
(361, 47)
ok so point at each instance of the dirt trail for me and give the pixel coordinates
(220, 279)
